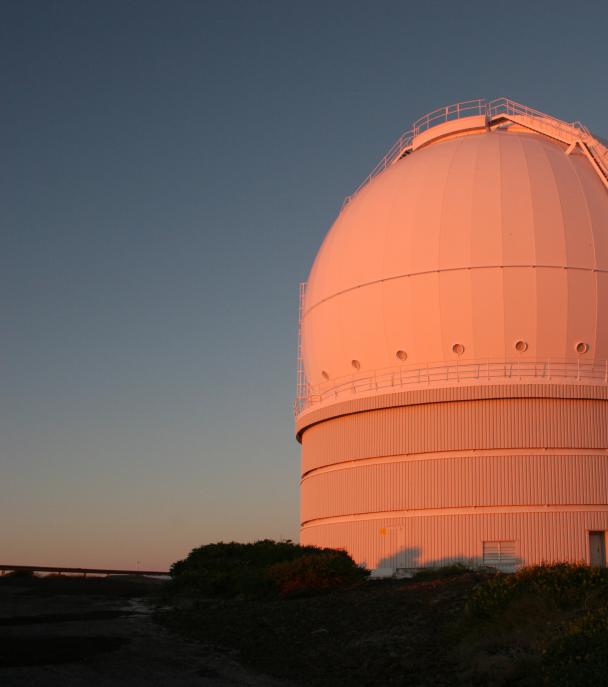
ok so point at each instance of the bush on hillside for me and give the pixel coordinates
(20, 575)
(560, 585)
(316, 572)
(578, 656)
(234, 569)
(442, 572)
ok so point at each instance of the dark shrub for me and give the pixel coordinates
(20, 575)
(316, 572)
(578, 656)
(561, 585)
(441, 572)
(233, 569)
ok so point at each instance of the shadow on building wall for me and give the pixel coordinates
(409, 560)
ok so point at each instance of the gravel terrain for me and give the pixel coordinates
(387, 632)
(99, 632)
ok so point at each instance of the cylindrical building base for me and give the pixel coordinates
(500, 476)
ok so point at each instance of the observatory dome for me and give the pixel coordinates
(452, 400)
(485, 243)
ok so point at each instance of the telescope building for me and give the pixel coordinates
(452, 396)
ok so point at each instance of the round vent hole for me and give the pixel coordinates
(325, 375)
(402, 355)
(356, 364)
(521, 346)
(458, 348)
(582, 347)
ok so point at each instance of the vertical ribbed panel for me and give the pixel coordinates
(477, 424)
(545, 388)
(406, 465)
(458, 482)
(437, 540)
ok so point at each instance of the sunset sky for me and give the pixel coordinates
(169, 170)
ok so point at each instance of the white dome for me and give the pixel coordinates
(479, 241)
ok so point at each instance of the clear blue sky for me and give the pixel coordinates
(168, 171)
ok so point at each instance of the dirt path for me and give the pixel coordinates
(99, 641)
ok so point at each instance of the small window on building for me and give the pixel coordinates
(521, 346)
(582, 347)
(356, 364)
(500, 555)
(402, 355)
(325, 374)
(458, 348)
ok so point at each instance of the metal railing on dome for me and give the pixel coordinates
(468, 108)
(492, 109)
(500, 371)
(301, 383)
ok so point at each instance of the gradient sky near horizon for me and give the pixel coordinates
(168, 171)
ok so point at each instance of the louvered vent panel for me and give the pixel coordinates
(500, 555)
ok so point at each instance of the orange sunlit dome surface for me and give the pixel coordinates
(486, 241)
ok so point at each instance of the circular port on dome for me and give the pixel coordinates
(325, 374)
(582, 347)
(458, 348)
(356, 364)
(402, 355)
(521, 346)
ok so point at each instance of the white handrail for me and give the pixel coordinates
(491, 110)
(467, 371)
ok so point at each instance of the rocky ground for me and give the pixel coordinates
(387, 632)
(101, 632)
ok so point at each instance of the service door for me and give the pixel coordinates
(597, 549)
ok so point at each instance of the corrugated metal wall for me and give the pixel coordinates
(437, 540)
(472, 390)
(461, 425)
(457, 482)
(387, 484)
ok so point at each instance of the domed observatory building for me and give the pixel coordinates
(453, 388)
